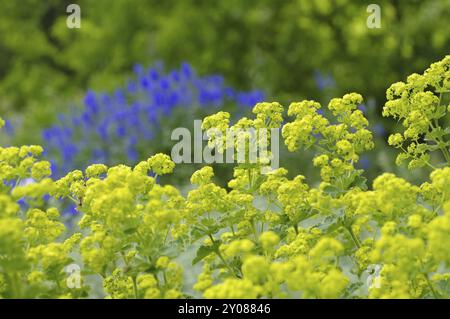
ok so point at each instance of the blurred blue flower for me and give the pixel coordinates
(323, 81)
(379, 129)
(70, 210)
(320, 112)
(364, 163)
(8, 127)
(112, 128)
(23, 204)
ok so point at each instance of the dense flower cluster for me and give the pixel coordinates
(265, 236)
(132, 116)
(419, 104)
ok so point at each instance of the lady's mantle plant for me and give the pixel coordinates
(266, 236)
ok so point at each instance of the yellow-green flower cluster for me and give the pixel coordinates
(418, 103)
(240, 138)
(216, 126)
(339, 144)
(33, 252)
(268, 115)
(22, 162)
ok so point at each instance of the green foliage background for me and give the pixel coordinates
(274, 45)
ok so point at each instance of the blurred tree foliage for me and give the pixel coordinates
(274, 45)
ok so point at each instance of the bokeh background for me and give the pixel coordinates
(112, 91)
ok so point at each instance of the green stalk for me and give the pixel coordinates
(354, 238)
(430, 285)
(223, 259)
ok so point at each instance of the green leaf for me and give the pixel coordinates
(197, 233)
(361, 182)
(204, 251)
(130, 231)
(331, 222)
(211, 225)
(447, 130)
(332, 190)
